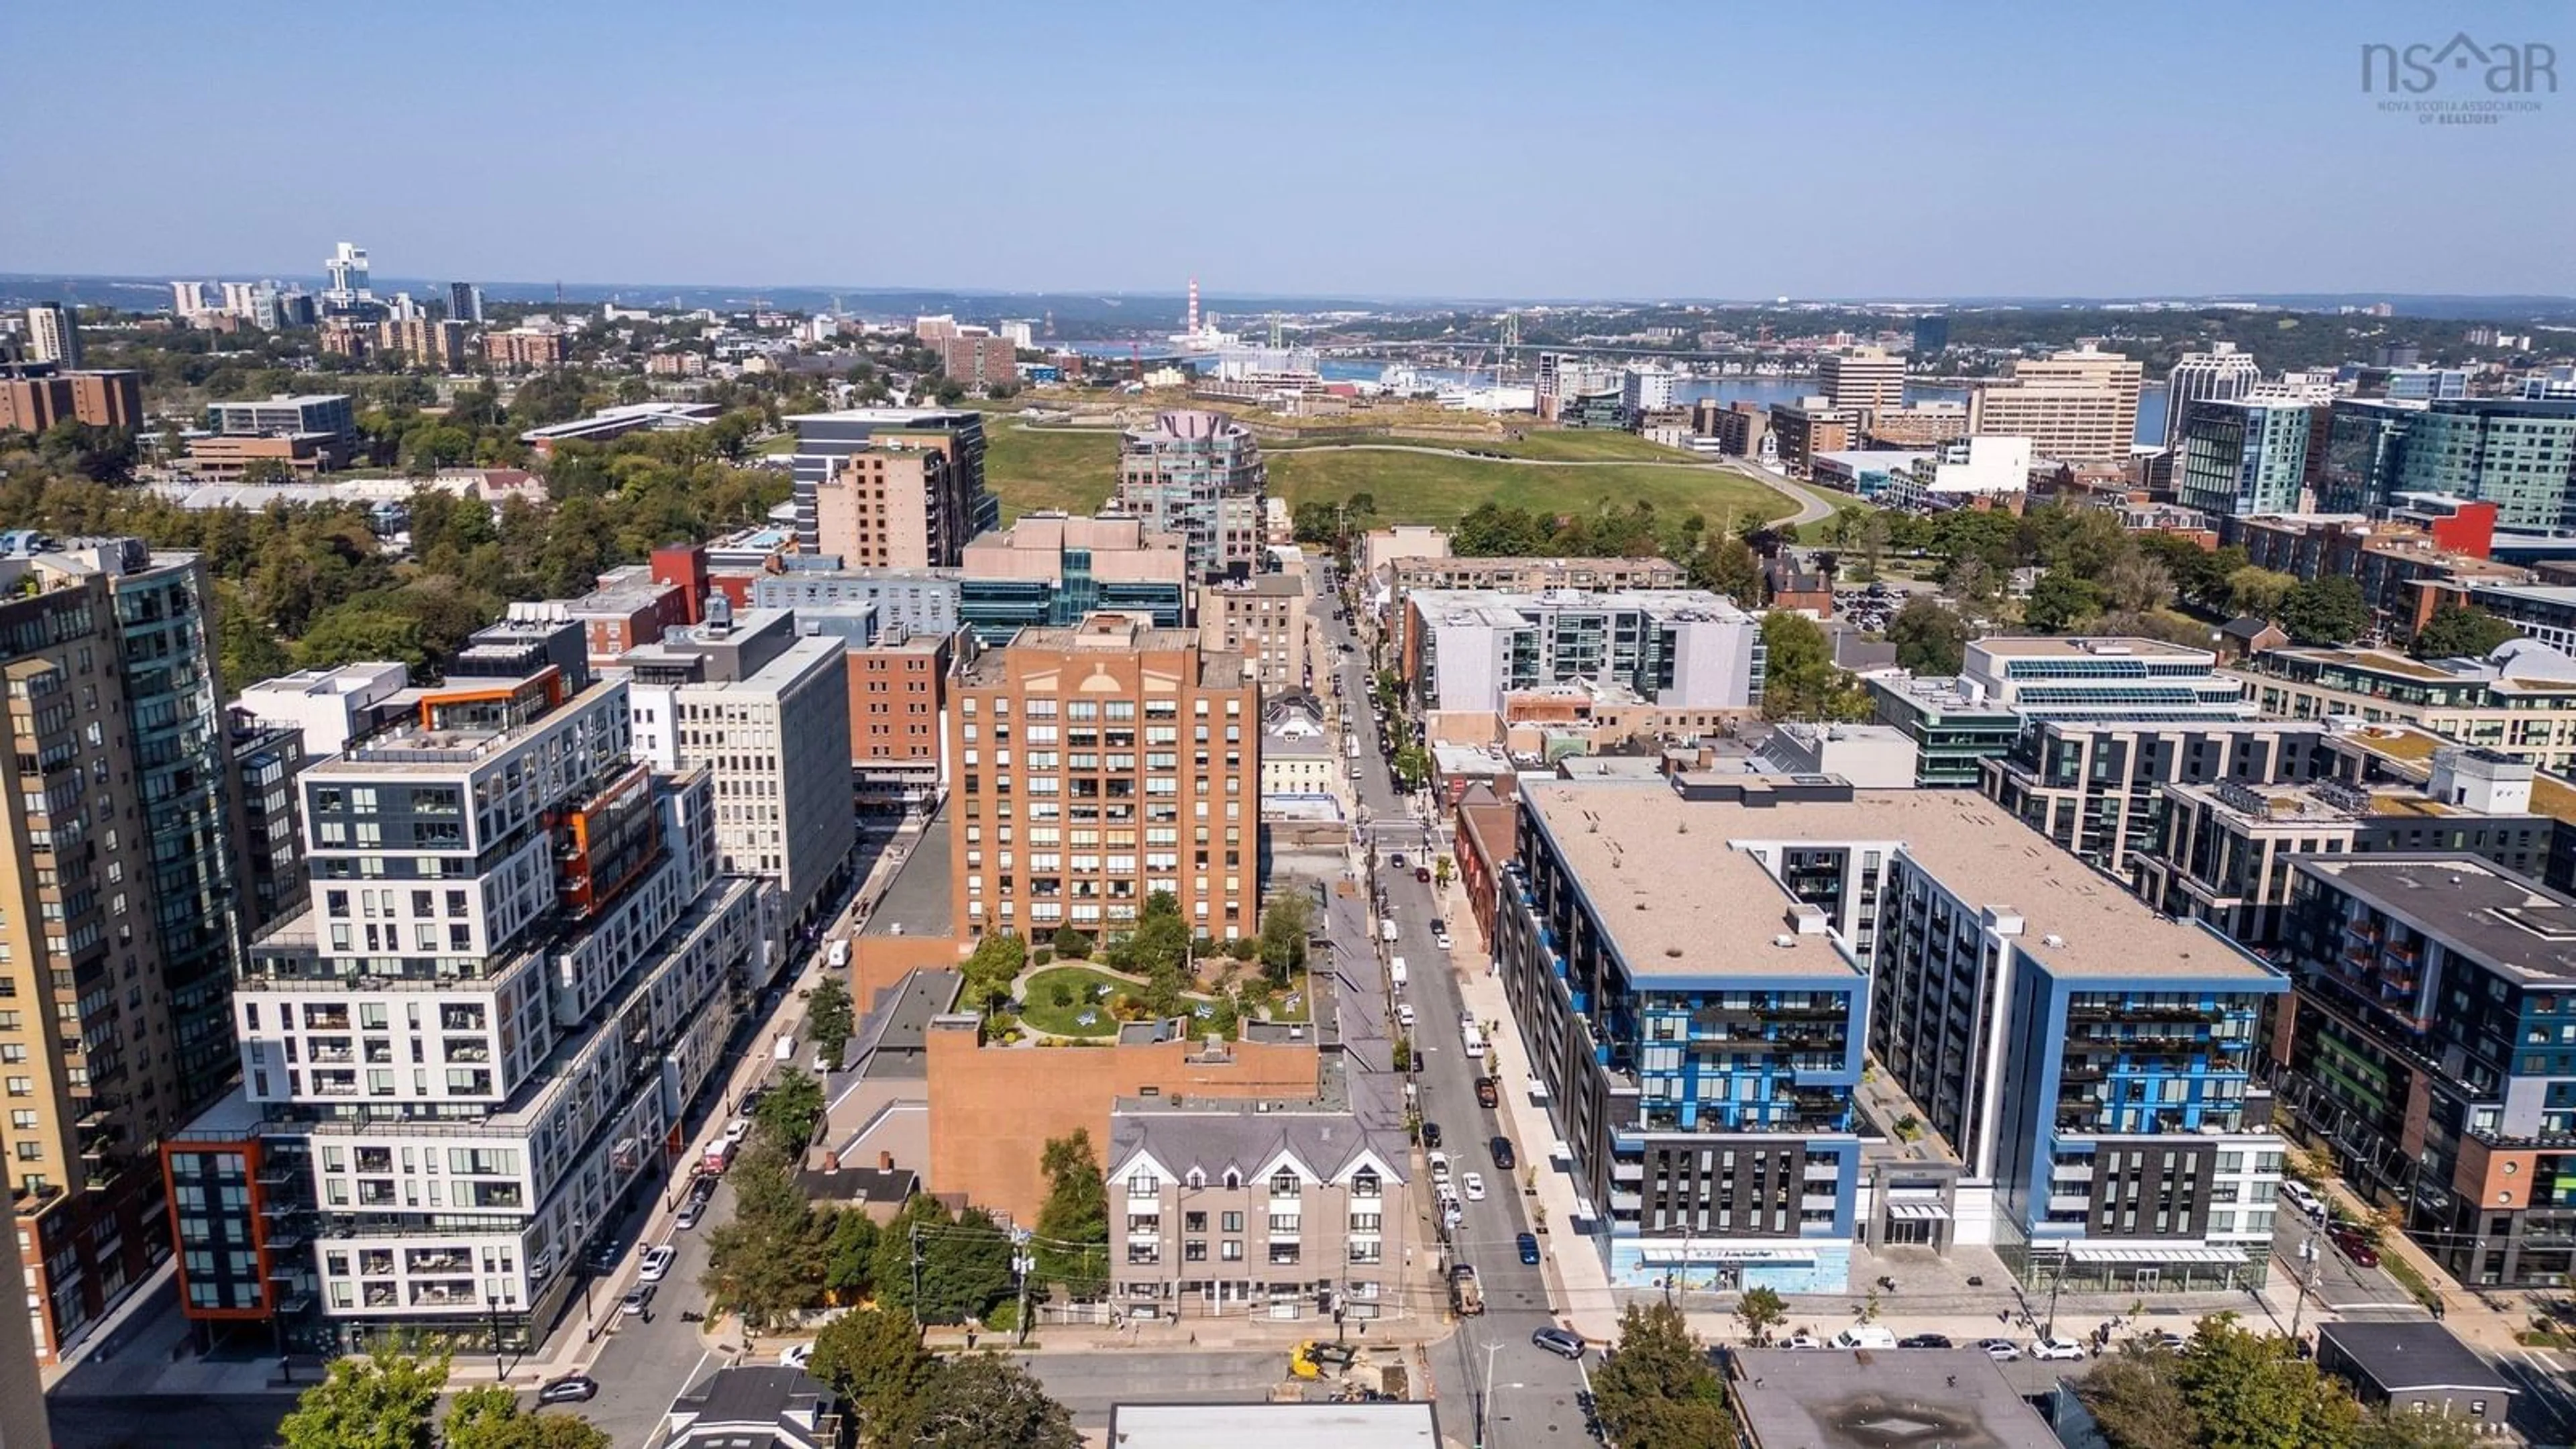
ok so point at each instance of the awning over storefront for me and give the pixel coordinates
(2152, 1257)
(1917, 1212)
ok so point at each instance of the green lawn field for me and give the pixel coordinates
(1432, 488)
(1037, 469)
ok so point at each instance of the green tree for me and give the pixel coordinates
(1286, 922)
(1929, 638)
(788, 1112)
(2329, 610)
(874, 1358)
(982, 1399)
(1072, 1246)
(489, 1417)
(2258, 592)
(2136, 1398)
(996, 962)
(1158, 950)
(2060, 601)
(1412, 766)
(1727, 566)
(1659, 1390)
(2457, 631)
(849, 1256)
(827, 1016)
(965, 1270)
(1071, 944)
(768, 1262)
(1762, 1310)
(2253, 1391)
(381, 1402)
(354, 632)
(1800, 679)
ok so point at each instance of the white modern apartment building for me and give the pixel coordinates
(1962, 471)
(1686, 648)
(327, 706)
(520, 964)
(2146, 680)
(2222, 374)
(765, 710)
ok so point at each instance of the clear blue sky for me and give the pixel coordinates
(1388, 148)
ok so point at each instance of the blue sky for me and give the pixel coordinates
(1394, 148)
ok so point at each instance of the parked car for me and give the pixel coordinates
(1563, 1342)
(1487, 1094)
(1528, 1244)
(2001, 1350)
(796, 1355)
(2057, 1350)
(737, 1129)
(1430, 1134)
(1440, 934)
(2166, 1338)
(636, 1300)
(1473, 1185)
(570, 1389)
(1504, 1158)
(1802, 1339)
(2303, 1197)
(1924, 1340)
(1404, 1015)
(1422, 873)
(1439, 1165)
(2354, 1246)
(657, 1263)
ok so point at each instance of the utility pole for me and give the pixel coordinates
(1024, 1264)
(2307, 1282)
(916, 1270)
(2054, 1283)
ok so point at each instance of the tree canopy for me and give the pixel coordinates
(2328, 610)
(380, 1402)
(1072, 1246)
(1800, 680)
(2457, 631)
(1930, 638)
(1658, 1391)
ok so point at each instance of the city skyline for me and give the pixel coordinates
(1411, 152)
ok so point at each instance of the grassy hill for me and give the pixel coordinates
(1037, 469)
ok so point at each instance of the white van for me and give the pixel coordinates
(1386, 931)
(1866, 1335)
(1395, 971)
(2299, 1195)
(1404, 1015)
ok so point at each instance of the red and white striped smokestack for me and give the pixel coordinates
(1194, 307)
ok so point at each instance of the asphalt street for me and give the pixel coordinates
(1532, 1400)
(643, 1362)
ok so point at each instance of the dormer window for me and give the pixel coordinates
(1196, 1178)
(1283, 1183)
(1233, 1179)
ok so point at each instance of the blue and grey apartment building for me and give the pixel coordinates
(2432, 1045)
(1702, 966)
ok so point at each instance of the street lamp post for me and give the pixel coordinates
(1485, 1395)
(500, 1375)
